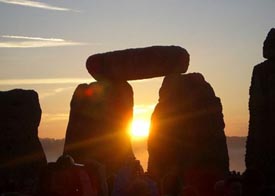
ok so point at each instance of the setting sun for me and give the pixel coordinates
(139, 129)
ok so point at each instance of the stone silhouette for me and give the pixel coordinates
(101, 112)
(21, 154)
(139, 63)
(260, 146)
(187, 133)
(98, 124)
(269, 45)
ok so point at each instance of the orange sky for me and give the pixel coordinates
(44, 46)
(55, 106)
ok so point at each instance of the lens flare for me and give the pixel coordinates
(139, 129)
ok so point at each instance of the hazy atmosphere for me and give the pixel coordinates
(236, 147)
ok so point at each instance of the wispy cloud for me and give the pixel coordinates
(54, 92)
(35, 4)
(11, 82)
(55, 117)
(35, 42)
(141, 109)
(32, 38)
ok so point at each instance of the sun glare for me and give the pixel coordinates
(139, 129)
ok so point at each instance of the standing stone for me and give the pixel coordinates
(269, 45)
(21, 154)
(187, 133)
(98, 125)
(260, 146)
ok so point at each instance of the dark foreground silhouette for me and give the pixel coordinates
(21, 154)
(260, 152)
(98, 124)
(187, 133)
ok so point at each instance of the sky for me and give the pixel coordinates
(44, 46)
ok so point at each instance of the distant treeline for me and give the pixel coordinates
(53, 148)
(236, 147)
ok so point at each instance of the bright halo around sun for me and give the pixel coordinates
(139, 129)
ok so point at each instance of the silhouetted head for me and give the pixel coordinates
(269, 45)
(65, 161)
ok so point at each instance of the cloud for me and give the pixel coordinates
(142, 109)
(33, 38)
(35, 4)
(142, 81)
(47, 117)
(35, 42)
(54, 92)
(43, 81)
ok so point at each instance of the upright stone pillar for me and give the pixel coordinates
(260, 146)
(187, 133)
(98, 125)
(21, 153)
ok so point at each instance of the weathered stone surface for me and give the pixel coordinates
(139, 63)
(187, 132)
(98, 124)
(21, 154)
(269, 45)
(260, 146)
